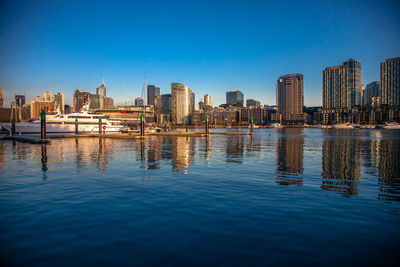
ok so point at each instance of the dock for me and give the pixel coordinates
(26, 139)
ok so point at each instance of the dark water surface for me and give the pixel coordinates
(284, 196)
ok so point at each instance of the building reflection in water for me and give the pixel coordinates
(341, 164)
(183, 151)
(289, 158)
(389, 170)
(234, 149)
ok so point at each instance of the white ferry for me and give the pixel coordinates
(65, 123)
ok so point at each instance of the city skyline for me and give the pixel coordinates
(245, 49)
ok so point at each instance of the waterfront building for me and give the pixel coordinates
(390, 82)
(342, 85)
(101, 92)
(38, 105)
(108, 103)
(289, 98)
(1, 98)
(162, 107)
(260, 115)
(253, 103)
(234, 98)
(371, 90)
(19, 101)
(207, 100)
(67, 109)
(59, 101)
(139, 101)
(201, 104)
(48, 96)
(182, 103)
(81, 97)
(152, 92)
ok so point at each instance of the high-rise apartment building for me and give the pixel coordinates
(234, 98)
(289, 98)
(342, 85)
(253, 103)
(390, 82)
(371, 90)
(182, 103)
(152, 92)
(19, 101)
(101, 92)
(47, 96)
(207, 100)
(59, 101)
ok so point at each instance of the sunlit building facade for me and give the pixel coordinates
(182, 103)
(152, 92)
(234, 98)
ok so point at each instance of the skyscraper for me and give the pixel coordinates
(101, 92)
(390, 82)
(59, 100)
(152, 92)
(207, 100)
(47, 96)
(289, 98)
(182, 103)
(234, 98)
(342, 85)
(371, 90)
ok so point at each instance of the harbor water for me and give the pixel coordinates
(282, 196)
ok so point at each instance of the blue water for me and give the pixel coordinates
(284, 196)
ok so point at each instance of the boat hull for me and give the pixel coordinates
(58, 128)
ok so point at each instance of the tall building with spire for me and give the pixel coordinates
(390, 82)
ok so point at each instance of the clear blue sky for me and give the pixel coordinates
(210, 46)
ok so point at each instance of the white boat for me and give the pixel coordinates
(343, 126)
(65, 123)
(392, 125)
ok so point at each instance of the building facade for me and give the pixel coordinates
(342, 86)
(139, 101)
(289, 98)
(81, 98)
(371, 90)
(59, 101)
(101, 92)
(19, 101)
(390, 82)
(152, 92)
(234, 98)
(182, 103)
(207, 100)
(253, 103)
